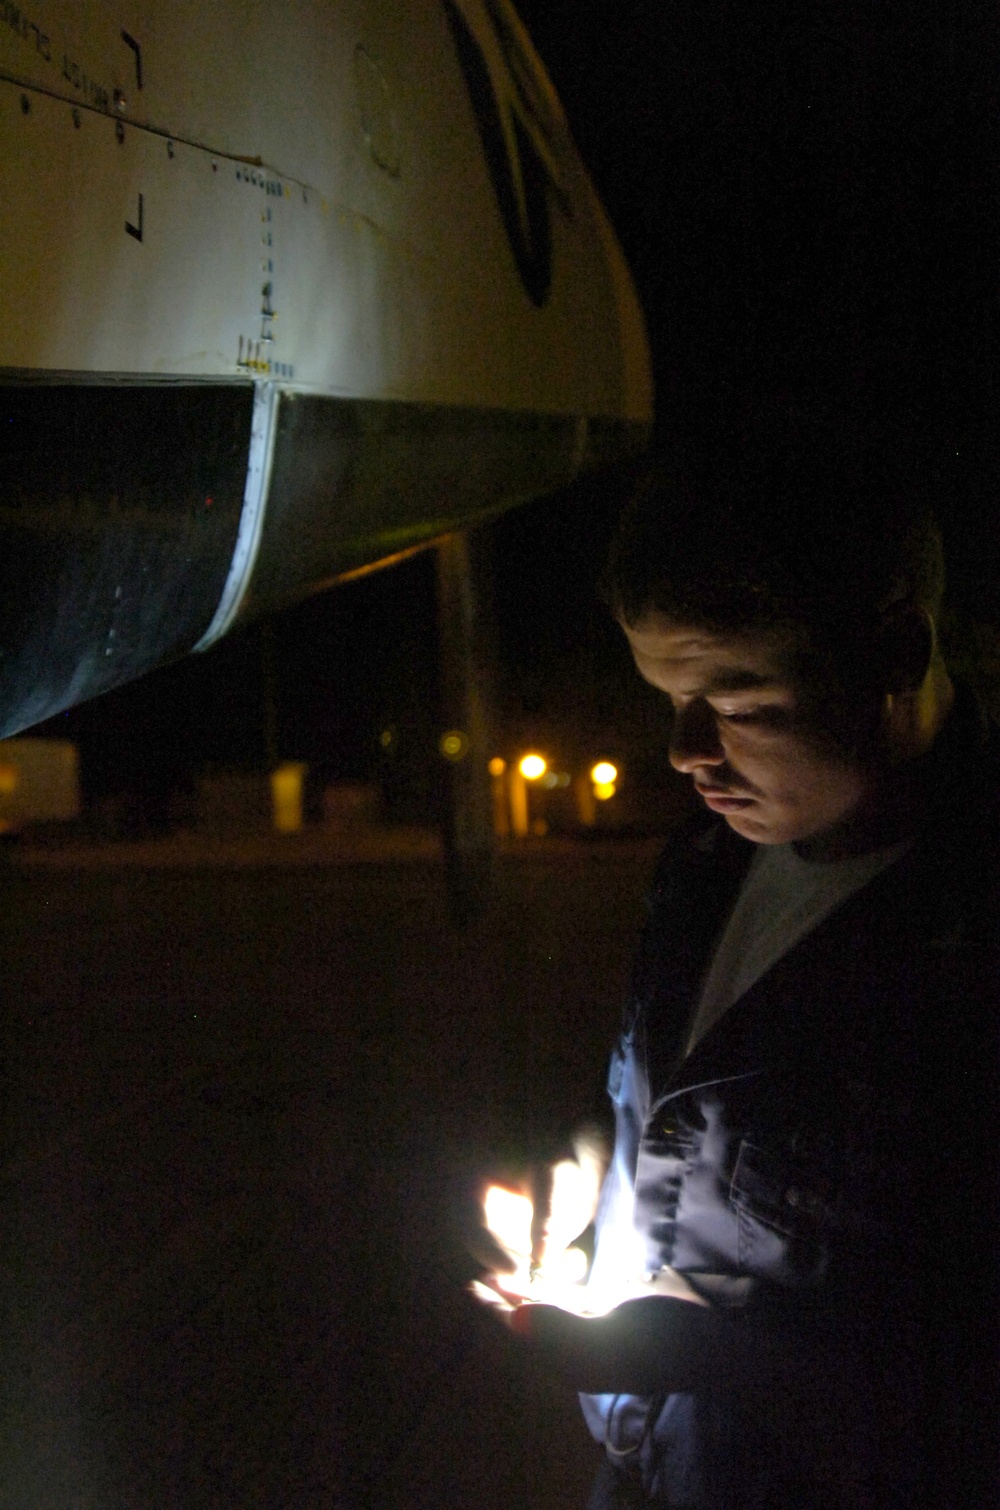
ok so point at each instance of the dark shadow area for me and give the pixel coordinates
(243, 1109)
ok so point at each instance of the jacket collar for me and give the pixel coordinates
(838, 974)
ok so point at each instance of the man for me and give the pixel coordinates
(798, 1220)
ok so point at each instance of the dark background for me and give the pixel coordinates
(807, 197)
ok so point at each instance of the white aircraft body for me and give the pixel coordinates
(285, 291)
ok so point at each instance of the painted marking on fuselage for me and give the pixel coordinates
(96, 95)
(523, 179)
(135, 230)
(14, 17)
(98, 102)
(131, 42)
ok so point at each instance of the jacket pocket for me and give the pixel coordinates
(783, 1212)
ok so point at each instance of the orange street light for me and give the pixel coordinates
(533, 766)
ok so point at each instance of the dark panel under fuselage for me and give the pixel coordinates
(121, 504)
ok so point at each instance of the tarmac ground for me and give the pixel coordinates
(249, 1091)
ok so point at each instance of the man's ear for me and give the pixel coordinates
(904, 648)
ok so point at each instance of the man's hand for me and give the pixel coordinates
(649, 1345)
(565, 1195)
(525, 1242)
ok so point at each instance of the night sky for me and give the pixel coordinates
(807, 197)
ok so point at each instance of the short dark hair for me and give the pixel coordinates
(810, 548)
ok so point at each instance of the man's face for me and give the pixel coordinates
(747, 733)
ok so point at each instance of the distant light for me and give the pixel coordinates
(497, 765)
(454, 744)
(533, 766)
(286, 795)
(604, 773)
(8, 779)
(387, 738)
(604, 789)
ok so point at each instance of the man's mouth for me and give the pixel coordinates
(720, 799)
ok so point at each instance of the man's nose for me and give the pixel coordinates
(694, 738)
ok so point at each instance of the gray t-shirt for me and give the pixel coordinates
(782, 899)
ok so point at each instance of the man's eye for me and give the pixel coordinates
(762, 715)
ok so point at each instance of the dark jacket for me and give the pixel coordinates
(824, 1165)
